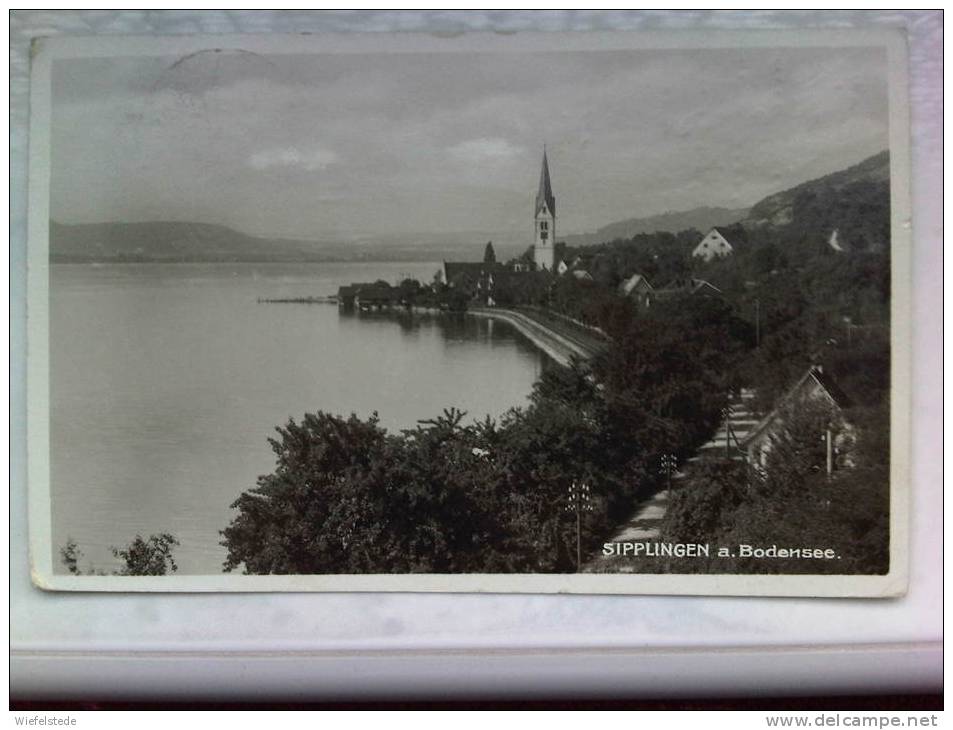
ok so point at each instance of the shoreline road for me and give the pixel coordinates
(556, 339)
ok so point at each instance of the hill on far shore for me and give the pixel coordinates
(171, 241)
(701, 219)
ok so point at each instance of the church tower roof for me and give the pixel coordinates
(545, 193)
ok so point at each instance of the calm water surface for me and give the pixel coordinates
(168, 379)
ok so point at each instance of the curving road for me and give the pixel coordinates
(555, 339)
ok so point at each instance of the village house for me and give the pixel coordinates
(713, 245)
(477, 279)
(637, 288)
(375, 296)
(577, 263)
(346, 296)
(368, 295)
(814, 390)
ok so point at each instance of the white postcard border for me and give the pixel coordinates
(45, 51)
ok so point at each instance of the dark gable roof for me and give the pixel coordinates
(733, 233)
(816, 373)
(686, 286)
(376, 293)
(470, 269)
(701, 284)
(830, 385)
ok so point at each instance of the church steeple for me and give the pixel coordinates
(544, 221)
(545, 193)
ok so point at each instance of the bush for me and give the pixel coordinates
(140, 557)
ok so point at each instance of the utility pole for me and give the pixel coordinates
(726, 418)
(667, 465)
(757, 323)
(579, 502)
(828, 440)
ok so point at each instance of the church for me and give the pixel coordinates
(481, 277)
(544, 219)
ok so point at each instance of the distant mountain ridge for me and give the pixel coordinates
(159, 241)
(701, 219)
(170, 241)
(854, 202)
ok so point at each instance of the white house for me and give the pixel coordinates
(713, 245)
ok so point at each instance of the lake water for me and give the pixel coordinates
(167, 380)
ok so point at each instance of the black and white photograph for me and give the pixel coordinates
(609, 313)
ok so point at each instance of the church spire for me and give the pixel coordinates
(545, 194)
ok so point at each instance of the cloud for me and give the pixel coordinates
(485, 149)
(629, 133)
(317, 158)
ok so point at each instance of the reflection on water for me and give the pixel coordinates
(167, 380)
(454, 328)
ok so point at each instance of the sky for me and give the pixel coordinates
(365, 146)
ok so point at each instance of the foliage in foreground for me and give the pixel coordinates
(139, 557)
(346, 496)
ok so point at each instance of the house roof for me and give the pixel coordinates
(375, 293)
(687, 286)
(714, 243)
(455, 269)
(628, 285)
(545, 192)
(814, 373)
(824, 379)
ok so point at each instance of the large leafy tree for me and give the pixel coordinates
(348, 497)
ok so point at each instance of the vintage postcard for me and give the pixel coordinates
(578, 312)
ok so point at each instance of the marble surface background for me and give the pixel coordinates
(54, 634)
